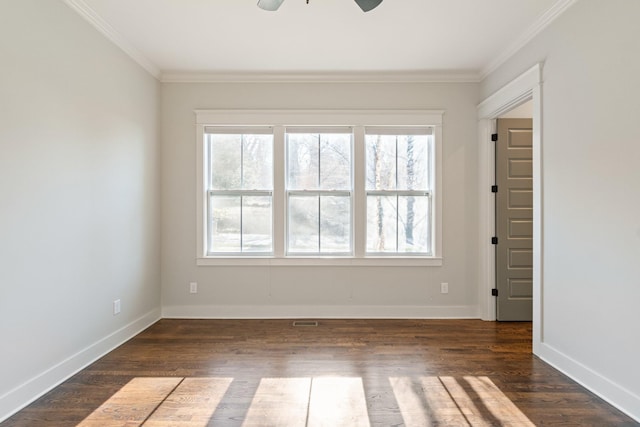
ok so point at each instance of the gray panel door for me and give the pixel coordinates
(514, 219)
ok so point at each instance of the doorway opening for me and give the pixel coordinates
(525, 88)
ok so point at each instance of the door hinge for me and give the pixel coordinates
(494, 292)
(494, 188)
(494, 137)
(494, 240)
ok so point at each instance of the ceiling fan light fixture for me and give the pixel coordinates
(270, 5)
(367, 5)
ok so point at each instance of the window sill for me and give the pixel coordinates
(318, 261)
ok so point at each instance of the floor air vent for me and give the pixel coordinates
(305, 323)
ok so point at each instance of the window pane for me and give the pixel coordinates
(224, 225)
(256, 224)
(381, 162)
(241, 162)
(413, 162)
(381, 223)
(232, 229)
(225, 152)
(318, 161)
(335, 161)
(303, 224)
(335, 224)
(413, 233)
(257, 157)
(302, 161)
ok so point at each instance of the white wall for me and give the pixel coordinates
(591, 202)
(79, 197)
(524, 111)
(318, 291)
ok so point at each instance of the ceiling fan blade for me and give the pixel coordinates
(367, 5)
(270, 5)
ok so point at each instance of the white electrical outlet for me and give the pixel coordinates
(193, 287)
(444, 288)
(116, 307)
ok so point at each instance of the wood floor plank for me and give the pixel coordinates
(367, 372)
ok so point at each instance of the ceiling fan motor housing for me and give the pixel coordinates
(273, 5)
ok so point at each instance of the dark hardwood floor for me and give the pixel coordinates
(342, 372)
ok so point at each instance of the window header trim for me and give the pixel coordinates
(395, 130)
(319, 129)
(349, 118)
(238, 130)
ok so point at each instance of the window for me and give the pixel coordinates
(398, 186)
(319, 187)
(239, 191)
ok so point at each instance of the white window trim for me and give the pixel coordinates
(279, 120)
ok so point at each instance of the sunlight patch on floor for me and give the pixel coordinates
(279, 401)
(337, 401)
(500, 406)
(133, 403)
(316, 402)
(191, 404)
(472, 401)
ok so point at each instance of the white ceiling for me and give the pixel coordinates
(467, 37)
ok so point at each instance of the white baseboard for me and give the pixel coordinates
(613, 393)
(319, 312)
(21, 396)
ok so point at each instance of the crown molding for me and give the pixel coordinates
(322, 77)
(558, 8)
(440, 76)
(84, 10)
